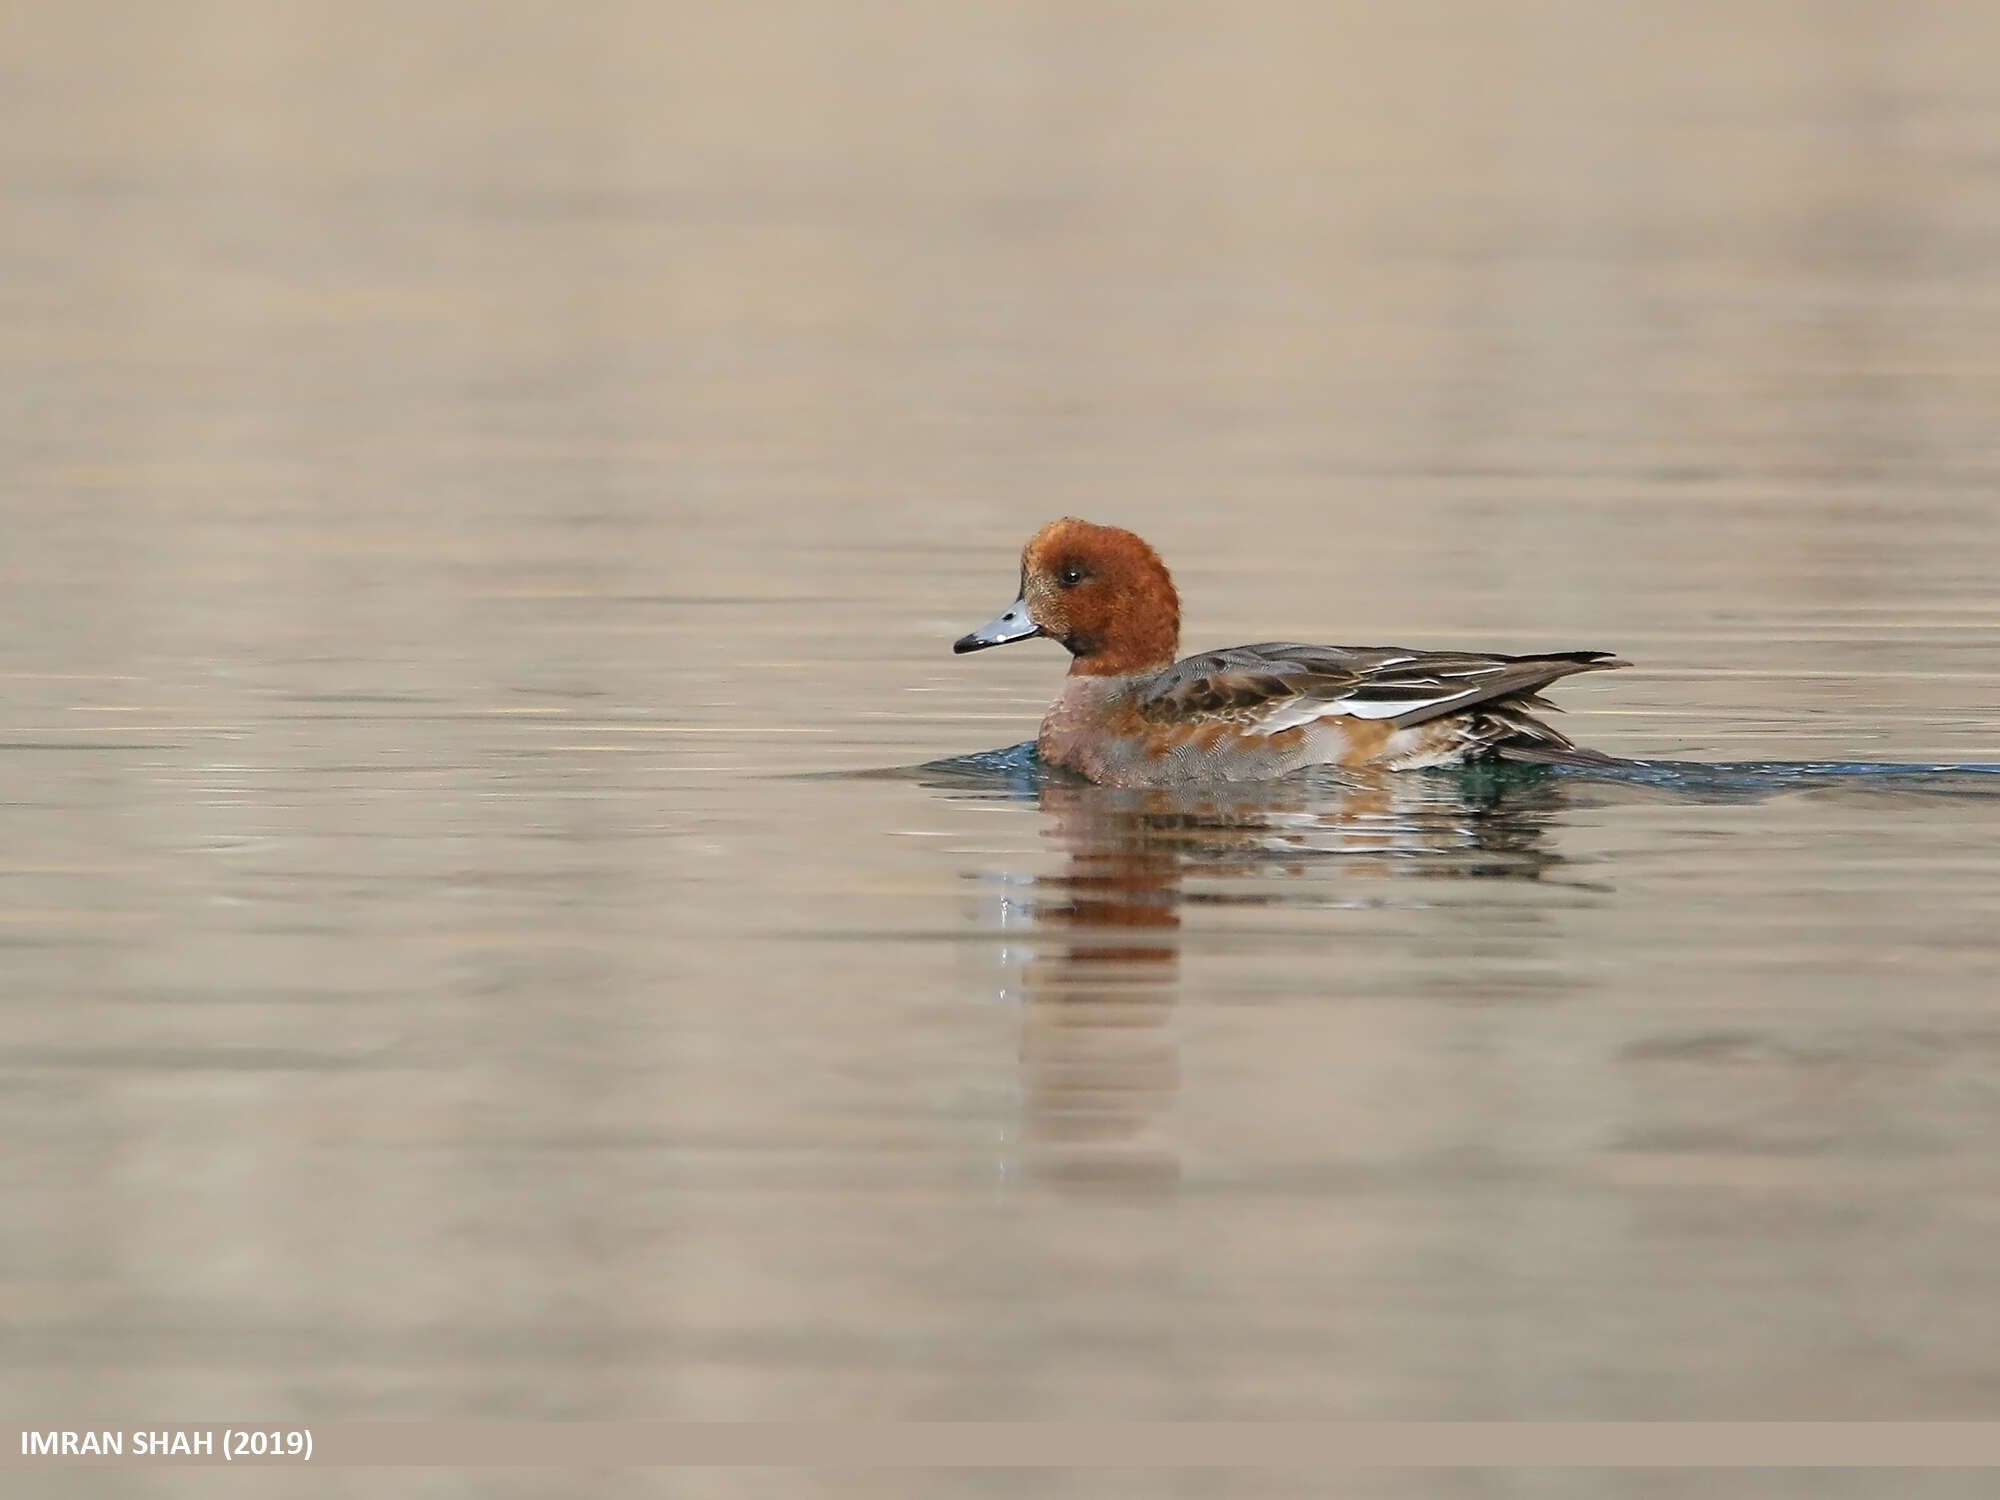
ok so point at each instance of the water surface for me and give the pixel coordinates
(472, 473)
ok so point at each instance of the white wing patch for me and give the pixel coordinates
(1306, 710)
(1395, 708)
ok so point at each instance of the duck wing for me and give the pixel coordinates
(1278, 685)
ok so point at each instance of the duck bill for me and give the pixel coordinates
(1012, 626)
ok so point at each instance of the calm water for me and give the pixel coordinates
(477, 480)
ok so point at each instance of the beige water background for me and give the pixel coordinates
(464, 467)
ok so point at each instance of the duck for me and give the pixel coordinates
(1131, 715)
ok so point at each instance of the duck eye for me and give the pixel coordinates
(1071, 575)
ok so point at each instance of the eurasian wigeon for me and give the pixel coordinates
(1130, 715)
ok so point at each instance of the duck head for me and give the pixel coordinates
(1100, 591)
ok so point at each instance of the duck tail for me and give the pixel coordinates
(1509, 731)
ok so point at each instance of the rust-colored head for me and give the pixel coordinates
(1101, 591)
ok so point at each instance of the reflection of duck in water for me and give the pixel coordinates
(1100, 1063)
(1366, 825)
(1130, 715)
